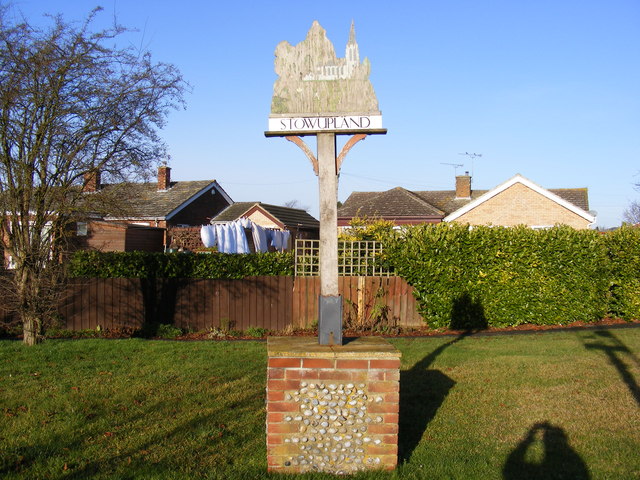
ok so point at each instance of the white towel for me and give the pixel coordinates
(229, 238)
(242, 245)
(220, 235)
(208, 236)
(260, 238)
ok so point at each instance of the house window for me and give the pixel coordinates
(81, 229)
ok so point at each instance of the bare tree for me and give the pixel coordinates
(71, 104)
(632, 213)
(295, 204)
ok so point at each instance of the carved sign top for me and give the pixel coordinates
(313, 81)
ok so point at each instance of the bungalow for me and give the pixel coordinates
(148, 208)
(518, 201)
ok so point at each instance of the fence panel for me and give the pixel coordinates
(274, 303)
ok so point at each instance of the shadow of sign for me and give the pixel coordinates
(159, 298)
(543, 454)
(616, 352)
(422, 391)
(467, 314)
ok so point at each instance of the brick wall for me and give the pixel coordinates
(332, 408)
(520, 205)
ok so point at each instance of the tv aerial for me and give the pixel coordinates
(472, 156)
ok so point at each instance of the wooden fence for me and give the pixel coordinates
(361, 297)
(274, 303)
(195, 304)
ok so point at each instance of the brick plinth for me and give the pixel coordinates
(332, 408)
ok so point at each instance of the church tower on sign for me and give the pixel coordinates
(312, 80)
(339, 68)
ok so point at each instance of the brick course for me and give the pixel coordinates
(368, 382)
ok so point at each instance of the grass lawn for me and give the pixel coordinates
(545, 405)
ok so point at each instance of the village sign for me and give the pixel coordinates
(319, 94)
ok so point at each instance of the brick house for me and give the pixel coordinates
(144, 212)
(518, 201)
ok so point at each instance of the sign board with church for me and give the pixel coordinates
(318, 92)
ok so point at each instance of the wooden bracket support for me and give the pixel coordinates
(307, 151)
(339, 159)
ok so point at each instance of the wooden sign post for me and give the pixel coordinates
(318, 94)
(321, 95)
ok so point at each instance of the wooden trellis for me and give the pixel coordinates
(359, 258)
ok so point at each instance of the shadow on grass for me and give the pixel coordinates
(616, 351)
(558, 459)
(422, 391)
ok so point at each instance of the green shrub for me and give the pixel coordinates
(96, 264)
(623, 246)
(473, 278)
(168, 331)
(256, 332)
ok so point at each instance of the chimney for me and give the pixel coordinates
(164, 178)
(463, 186)
(91, 181)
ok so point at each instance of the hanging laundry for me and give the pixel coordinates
(268, 233)
(285, 239)
(208, 235)
(242, 245)
(276, 239)
(260, 238)
(220, 235)
(229, 238)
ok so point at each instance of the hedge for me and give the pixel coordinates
(462, 278)
(623, 246)
(473, 278)
(178, 265)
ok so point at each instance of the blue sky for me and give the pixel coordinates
(549, 89)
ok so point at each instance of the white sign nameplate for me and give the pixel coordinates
(329, 123)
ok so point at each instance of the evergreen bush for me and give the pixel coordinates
(623, 246)
(474, 277)
(86, 263)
